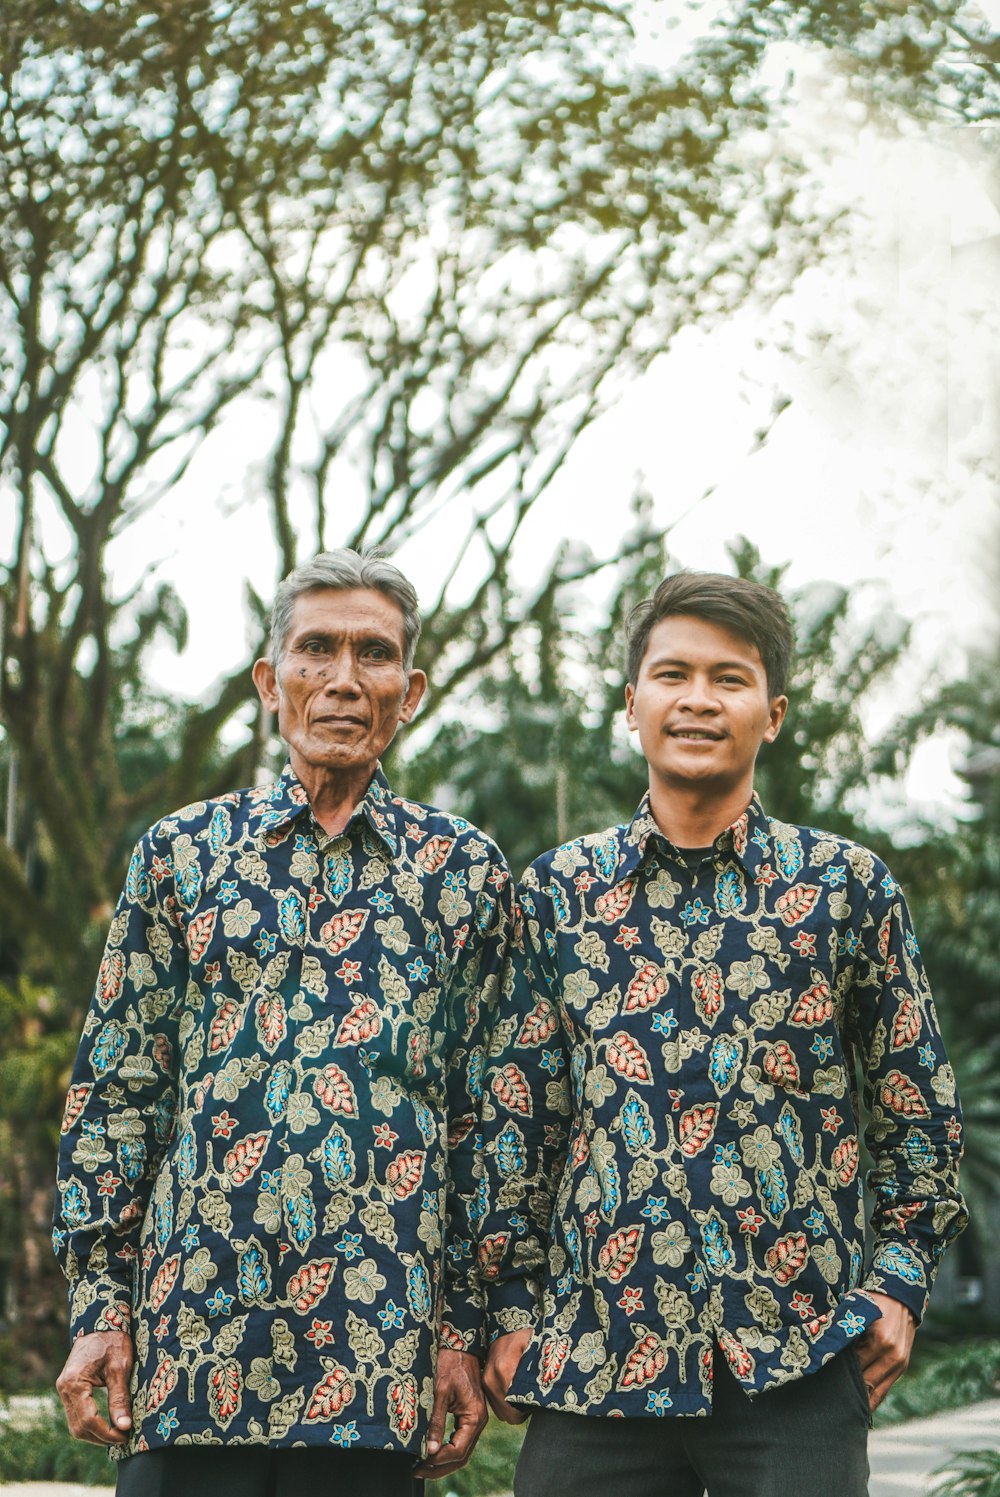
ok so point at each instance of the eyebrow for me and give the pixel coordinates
(327, 636)
(716, 665)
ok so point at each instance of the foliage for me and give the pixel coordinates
(970, 1473)
(40, 1448)
(421, 249)
(941, 1377)
(491, 1469)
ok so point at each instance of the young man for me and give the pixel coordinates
(269, 1149)
(673, 1216)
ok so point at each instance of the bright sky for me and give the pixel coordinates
(882, 466)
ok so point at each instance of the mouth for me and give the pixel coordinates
(340, 721)
(695, 735)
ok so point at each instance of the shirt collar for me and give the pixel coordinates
(278, 804)
(747, 839)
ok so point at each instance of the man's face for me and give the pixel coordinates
(340, 689)
(701, 707)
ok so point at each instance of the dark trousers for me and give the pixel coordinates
(808, 1436)
(255, 1471)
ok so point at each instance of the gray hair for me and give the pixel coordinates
(345, 569)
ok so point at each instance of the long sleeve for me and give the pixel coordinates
(914, 1132)
(473, 999)
(526, 1112)
(121, 1103)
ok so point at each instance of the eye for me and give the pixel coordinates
(378, 653)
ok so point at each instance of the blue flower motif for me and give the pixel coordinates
(418, 970)
(345, 1434)
(696, 1278)
(927, 1058)
(166, 1422)
(382, 900)
(889, 885)
(350, 1245)
(219, 1304)
(454, 881)
(656, 1208)
(853, 1323)
(834, 876)
(816, 1222)
(822, 1047)
(848, 945)
(551, 1061)
(228, 891)
(392, 1316)
(266, 942)
(911, 944)
(664, 1023)
(658, 1402)
(518, 1222)
(190, 1238)
(695, 913)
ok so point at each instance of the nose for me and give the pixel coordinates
(699, 694)
(341, 675)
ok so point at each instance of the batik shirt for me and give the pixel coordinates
(269, 1144)
(671, 1120)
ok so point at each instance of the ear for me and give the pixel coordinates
(416, 685)
(776, 716)
(266, 682)
(630, 708)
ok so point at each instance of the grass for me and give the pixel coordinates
(972, 1473)
(943, 1376)
(40, 1448)
(491, 1468)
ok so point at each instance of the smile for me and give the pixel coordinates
(695, 735)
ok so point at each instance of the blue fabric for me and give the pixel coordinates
(269, 1149)
(671, 1123)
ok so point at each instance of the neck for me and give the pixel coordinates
(333, 793)
(693, 816)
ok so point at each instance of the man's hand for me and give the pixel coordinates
(102, 1359)
(884, 1349)
(458, 1390)
(501, 1365)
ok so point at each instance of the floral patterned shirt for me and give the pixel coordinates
(671, 1124)
(270, 1142)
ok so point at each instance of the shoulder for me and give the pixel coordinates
(228, 809)
(597, 856)
(809, 851)
(433, 837)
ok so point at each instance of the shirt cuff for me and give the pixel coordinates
(462, 1321)
(99, 1304)
(901, 1273)
(512, 1305)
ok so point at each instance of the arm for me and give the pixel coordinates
(526, 1112)
(914, 1133)
(118, 1118)
(472, 1001)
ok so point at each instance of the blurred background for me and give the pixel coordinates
(547, 298)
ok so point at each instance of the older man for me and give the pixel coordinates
(268, 1150)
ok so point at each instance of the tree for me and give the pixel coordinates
(427, 246)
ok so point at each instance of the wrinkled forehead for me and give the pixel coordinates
(346, 614)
